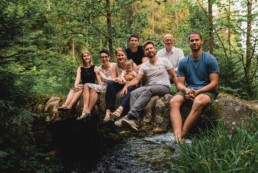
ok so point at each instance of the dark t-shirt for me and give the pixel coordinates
(88, 75)
(136, 56)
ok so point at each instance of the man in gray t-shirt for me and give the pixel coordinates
(156, 71)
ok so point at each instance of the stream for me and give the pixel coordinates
(138, 155)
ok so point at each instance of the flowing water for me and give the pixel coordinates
(138, 155)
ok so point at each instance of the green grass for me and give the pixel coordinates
(220, 151)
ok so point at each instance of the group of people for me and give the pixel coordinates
(140, 73)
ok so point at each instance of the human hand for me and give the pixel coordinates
(124, 91)
(196, 92)
(76, 89)
(118, 80)
(189, 94)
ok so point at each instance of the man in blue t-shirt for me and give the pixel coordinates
(197, 81)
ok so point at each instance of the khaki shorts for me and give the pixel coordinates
(212, 94)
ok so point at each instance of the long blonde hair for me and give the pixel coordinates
(82, 63)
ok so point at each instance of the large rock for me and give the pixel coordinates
(234, 110)
(74, 139)
(155, 117)
(52, 108)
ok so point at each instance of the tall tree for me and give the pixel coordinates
(249, 47)
(109, 29)
(210, 14)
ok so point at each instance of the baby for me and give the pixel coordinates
(128, 74)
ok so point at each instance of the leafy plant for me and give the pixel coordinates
(220, 151)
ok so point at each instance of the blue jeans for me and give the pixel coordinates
(125, 100)
(110, 98)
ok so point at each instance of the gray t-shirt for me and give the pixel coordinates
(156, 74)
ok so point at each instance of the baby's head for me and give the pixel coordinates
(129, 65)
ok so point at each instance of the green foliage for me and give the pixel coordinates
(219, 151)
(41, 42)
(19, 152)
(231, 75)
(9, 16)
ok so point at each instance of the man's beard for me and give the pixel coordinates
(196, 49)
(151, 55)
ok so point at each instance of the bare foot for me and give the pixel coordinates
(179, 139)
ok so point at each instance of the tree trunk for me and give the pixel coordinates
(229, 28)
(73, 49)
(109, 27)
(211, 43)
(249, 46)
(153, 17)
(176, 16)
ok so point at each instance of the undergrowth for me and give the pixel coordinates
(221, 151)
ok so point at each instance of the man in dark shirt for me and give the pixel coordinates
(135, 52)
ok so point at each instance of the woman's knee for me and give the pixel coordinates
(93, 91)
(86, 87)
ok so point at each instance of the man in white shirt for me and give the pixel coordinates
(172, 53)
(157, 71)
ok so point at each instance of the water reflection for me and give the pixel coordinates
(148, 154)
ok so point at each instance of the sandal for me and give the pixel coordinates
(118, 112)
(107, 116)
(84, 115)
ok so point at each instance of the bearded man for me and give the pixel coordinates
(197, 82)
(157, 71)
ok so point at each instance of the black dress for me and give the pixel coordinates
(88, 75)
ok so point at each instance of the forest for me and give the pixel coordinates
(41, 41)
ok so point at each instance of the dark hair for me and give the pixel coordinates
(146, 43)
(104, 51)
(135, 36)
(197, 33)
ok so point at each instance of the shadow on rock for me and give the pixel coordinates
(77, 141)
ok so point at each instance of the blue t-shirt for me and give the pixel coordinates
(196, 72)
